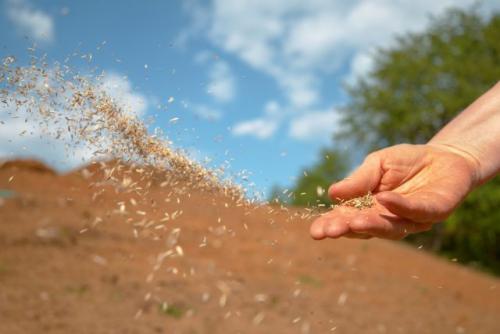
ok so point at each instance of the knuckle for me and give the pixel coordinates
(373, 156)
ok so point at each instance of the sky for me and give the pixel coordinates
(257, 83)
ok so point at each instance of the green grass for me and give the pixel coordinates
(309, 280)
(174, 311)
(78, 290)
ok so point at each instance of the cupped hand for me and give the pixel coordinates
(414, 186)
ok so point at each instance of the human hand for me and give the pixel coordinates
(414, 186)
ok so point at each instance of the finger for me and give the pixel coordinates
(387, 227)
(316, 229)
(335, 227)
(328, 226)
(422, 207)
(363, 180)
(352, 235)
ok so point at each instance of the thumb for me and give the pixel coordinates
(422, 207)
(363, 180)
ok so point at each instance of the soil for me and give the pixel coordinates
(77, 256)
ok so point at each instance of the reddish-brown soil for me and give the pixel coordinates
(258, 273)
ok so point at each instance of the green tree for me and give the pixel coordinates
(313, 182)
(312, 185)
(278, 195)
(419, 84)
(414, 89)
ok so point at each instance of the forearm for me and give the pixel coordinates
(475, 134)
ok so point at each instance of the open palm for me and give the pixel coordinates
(414, 186)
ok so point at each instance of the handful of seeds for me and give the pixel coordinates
(362, 202)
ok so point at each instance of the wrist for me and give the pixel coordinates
(468, 155)
(474, 134)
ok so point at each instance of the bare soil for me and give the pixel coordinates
(71, 262)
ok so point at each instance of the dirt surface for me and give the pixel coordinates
(77, 256)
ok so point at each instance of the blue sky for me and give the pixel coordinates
(257, 82)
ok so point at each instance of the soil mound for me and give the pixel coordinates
(30, 165)
(103, 250)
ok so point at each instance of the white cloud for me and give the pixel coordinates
(272, 108)
(222, 82)
(205, 112)
(120, 89)
(298, 42)
(24, 134)
(361, 64)
(222, 85)
(261, 128)
(252, 30)
(301, 89)
(316, 126)
(30, 21)
(313, 39)
(199, 19)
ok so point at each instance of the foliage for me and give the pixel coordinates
(472, 233)
(174, 311)
(419, 84)
(278, 195)
(312, 184)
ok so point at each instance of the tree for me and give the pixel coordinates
(419, 84)
(312, 185)
(416, 87)
(313, 182)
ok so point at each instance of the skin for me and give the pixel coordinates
(416, 186)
